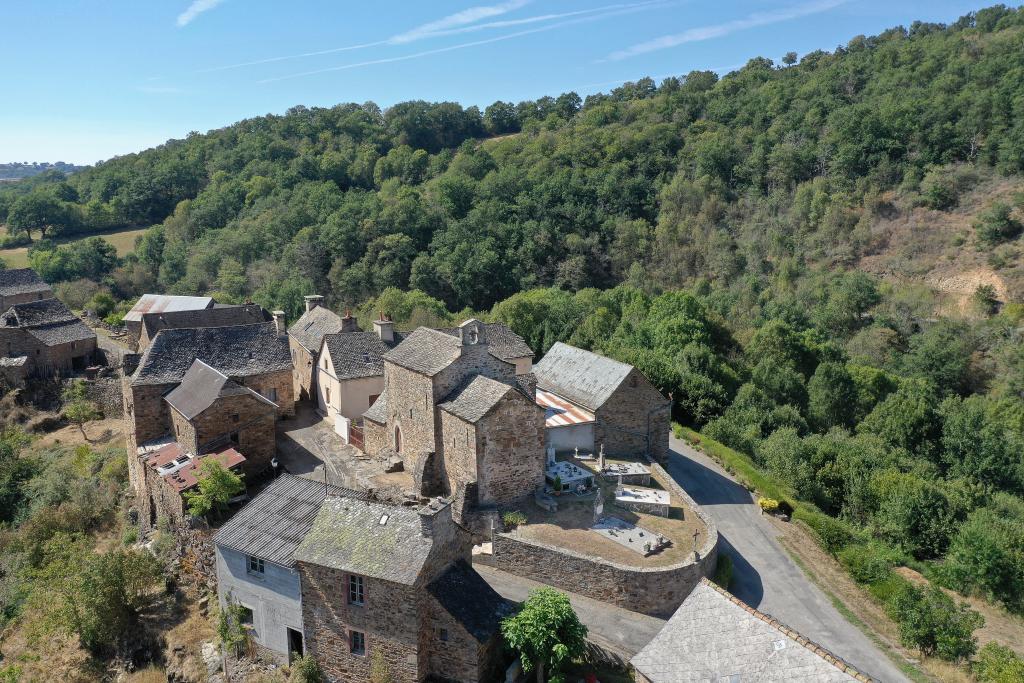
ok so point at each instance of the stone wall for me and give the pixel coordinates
(6, 301)
(635, 413)
(46, 360)
(458, 451)
(246, 416)
(280, 381)
(302, 371)
(657, 591)
(390, 621)
(511, 451)
(411, 409)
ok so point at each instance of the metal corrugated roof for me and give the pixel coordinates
(582, 377)
(273, 524)
(165, 303)
(558, 412)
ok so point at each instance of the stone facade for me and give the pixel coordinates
(242, 420)
(44, 359)
(657, 591)
(635, 414)
(303, 364)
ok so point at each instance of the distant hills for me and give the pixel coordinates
(25, 169)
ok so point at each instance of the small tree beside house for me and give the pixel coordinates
(217, 485)
(77, 408)
(546, 634)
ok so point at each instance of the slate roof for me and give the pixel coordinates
(587, 379)
(713, 636)
(378, 412)
(236, 351)
(475, 397)
(201, 386)
(21, 281)
(503, 342)
(163, 303)
(348, 535)
(310, 328)
(356, 354)
(48, 320)
(218, 316)
(273, 524)
(470, 600)
(426, 350)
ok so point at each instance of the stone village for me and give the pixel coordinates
(380, 467)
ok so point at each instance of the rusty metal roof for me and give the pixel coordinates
(165, 303)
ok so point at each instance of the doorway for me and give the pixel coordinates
(294, 644)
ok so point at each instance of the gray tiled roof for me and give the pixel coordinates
(273, 523)
(310, 328)
(356, 354)
(218, 316)
(503, 342)
(713, 636)
(426, 350)
(201, 386)
(584, 378)
(236, 351)
(48, 320)
(378, 412)
(21, 281)
(348, 535)
(470, 600)
(474, 398)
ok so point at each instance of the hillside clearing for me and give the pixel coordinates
(122, 239)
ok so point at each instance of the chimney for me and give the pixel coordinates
(348, 323)
(312, 301)
(279, 323)
(384, 328)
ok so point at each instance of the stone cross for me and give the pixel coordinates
(598, 506)
(618, 487)
(576, 453)
(600, 460)
(696, 535)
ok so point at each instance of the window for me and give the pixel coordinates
(245, 615)
(234, 438)
(327, 390)
(443, 635)
(325, 362)
(272, 395)
(256, 565)
(234, 417)
(356, 590)
(398, 439)
(357, 643)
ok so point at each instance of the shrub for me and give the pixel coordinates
(833, 534)
(768, 504)
(939, 190)
(931, 622)
(130, 535)
(997, 224)
(998, 664)
(723, 572)
(513, 518)
(870, 562)
(305, 669)
(888, 587)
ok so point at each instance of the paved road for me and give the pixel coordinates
(614, 628)
(764, 575)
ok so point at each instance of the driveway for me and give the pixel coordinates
(764, 576)
(615, 629)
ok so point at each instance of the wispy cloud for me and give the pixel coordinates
(195, 9)
(160, 89)
(447, 27)
(718, 30)
(619, 10)
(463, 18)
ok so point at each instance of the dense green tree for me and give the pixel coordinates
(546, 633)
(931, 622)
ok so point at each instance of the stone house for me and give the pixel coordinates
(160, 303)
(50, 338)
(305, 339)
(591, 400)
(255, 564)
(172, 471)
(20, 286)
(220, 315)
(350, 374)
(459, 419)
(252, 356)
(715, 636)
(408, 600)
(210, 411)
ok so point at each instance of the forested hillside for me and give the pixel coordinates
(772, 248)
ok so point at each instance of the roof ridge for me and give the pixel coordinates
(792, 634)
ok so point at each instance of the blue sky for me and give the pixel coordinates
(84, 80)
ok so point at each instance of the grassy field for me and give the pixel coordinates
(123, 240)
